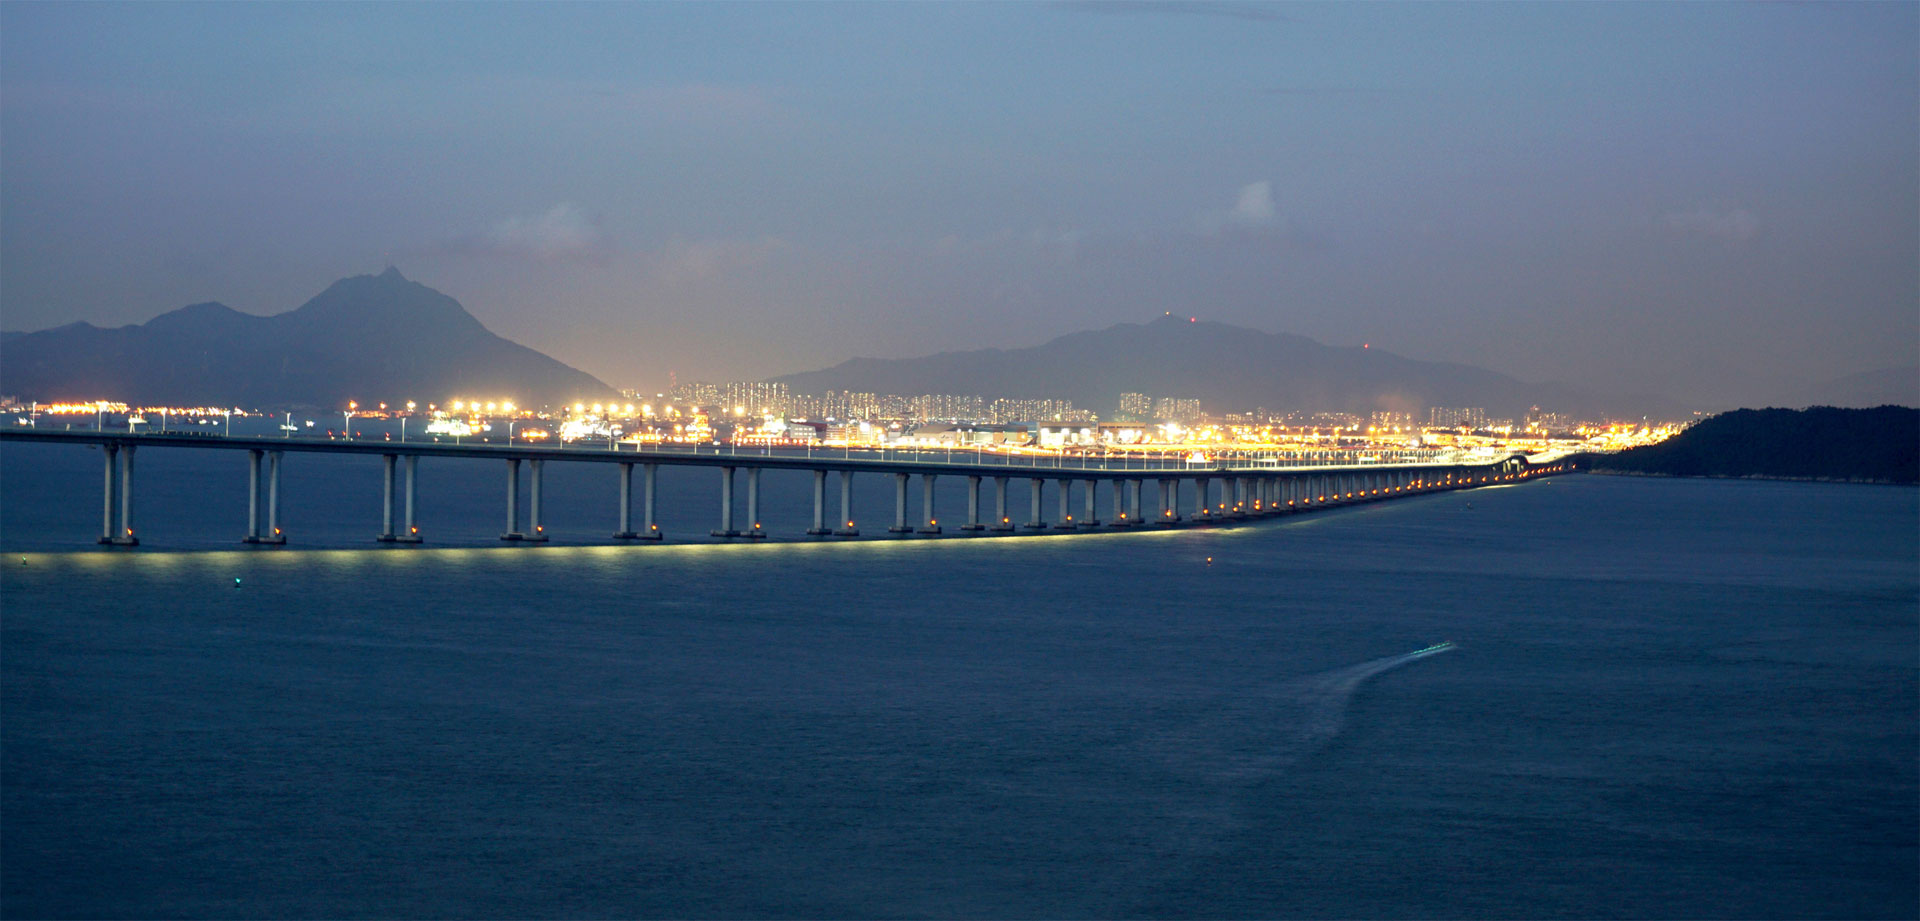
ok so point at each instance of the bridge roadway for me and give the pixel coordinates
(1246, 491)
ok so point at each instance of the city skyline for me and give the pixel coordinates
(1716, 203)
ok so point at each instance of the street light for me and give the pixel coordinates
(346, 420)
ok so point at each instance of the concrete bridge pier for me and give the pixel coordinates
(1036, 522)
(1066, 512)
(1092, 518)
(112, 456)
(973, 506)
(754, 529)
(1203, 497)
(1120, 518)
(1001, 521)
(649, 492)
(253, 497)
(1169, 502)
(726, 528)
(900, 525)
(819, 528)
(409, 492)
(513, 501)
(929, 523)
(125, 538)
(387, 464)
(274, 535)
(625, 531)
(533, 501)
(1134, 488)
(846, 506)
(119, 477)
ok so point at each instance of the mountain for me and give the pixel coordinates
(1879, 445)
(1895, 386)
(1225, 367)
(369, 338)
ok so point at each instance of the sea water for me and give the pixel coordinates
(1662, 698)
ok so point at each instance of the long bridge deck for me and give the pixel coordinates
(1248, 490)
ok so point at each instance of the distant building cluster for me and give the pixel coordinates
(1176, 409)
(770, 411)
(1446, 417)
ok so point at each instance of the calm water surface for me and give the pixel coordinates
(1668, 698)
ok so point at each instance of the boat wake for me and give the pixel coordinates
(1220, 755)
(1262, 731)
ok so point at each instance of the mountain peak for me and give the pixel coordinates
(392, 274)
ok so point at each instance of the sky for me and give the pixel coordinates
(1714, 202)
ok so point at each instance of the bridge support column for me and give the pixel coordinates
(900, 506)
(1001, 521)
(846, 506)
(1169, 502)
(973, 505)
(409, 492)
(726, 528)
(1120, 518)
(753, 504)
(253, 497)
(649, 493)
(625, 530)
(1066, 512)
(533, 501)
(274, 535)
(513, 501)
(125, 536)
(929, 523)
(1203, 497)
(1134, 488)
(819, 505)
(1036, 522)
(1092, 518)
(387, 463)
(111, 453)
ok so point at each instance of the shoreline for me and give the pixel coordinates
(1751, 476)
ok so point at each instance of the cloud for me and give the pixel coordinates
(1736, 226)
(682, 260)
(1253, 209)
(1255, 204)
(1243, 11)
(563, 232)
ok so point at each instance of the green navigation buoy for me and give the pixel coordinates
(236, 581)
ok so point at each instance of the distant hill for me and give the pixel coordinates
(1873, 445)
(1225, 367)
(1887, 386)
(367, 338)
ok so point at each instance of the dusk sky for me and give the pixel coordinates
(1718, 202)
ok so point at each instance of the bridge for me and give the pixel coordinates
(1245, 492)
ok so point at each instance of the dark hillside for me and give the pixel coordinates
(1879, 445)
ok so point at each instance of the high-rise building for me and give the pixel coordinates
(755, 398)
(696, 393)
(1176, 409)
(1448, 417)
(1135, 407)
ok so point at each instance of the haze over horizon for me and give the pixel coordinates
(1718, 203)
